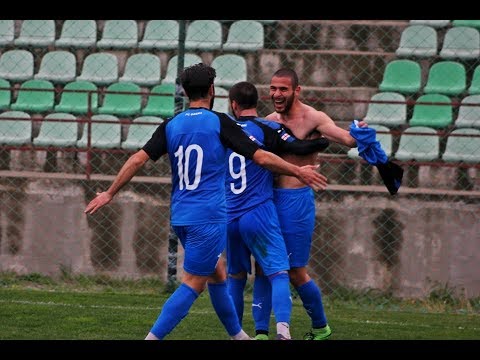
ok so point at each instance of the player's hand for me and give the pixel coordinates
(362, 124)
(102, 199)
(311, 177)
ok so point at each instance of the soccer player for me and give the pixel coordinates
(253, 226)
(295, 202)
(196, 141)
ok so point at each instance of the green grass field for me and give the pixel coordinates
(39, 309)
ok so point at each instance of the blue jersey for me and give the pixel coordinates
(196, 141)
(248, 184)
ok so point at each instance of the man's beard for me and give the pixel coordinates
(287, 105)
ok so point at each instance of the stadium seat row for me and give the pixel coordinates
(432, 110)
(103, 68)
(81, 96)
(461, 42)
(444, 77)
(61, 130)
(243, 35)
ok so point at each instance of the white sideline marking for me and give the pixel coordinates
(51, 303)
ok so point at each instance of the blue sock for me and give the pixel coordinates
(262, 302)
(312, 302)
(281, 301)
(174, 310)
(223, 304)
(236, 288)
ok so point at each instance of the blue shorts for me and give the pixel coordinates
(296, 212)
(256, 233)
(203, 245)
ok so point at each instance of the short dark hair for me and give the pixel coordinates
(196, 80)
(289, 73)
(245, 94)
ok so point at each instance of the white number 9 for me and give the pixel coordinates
(237, 175)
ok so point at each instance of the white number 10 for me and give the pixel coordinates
(183, 164)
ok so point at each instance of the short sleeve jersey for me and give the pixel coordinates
(196, 141)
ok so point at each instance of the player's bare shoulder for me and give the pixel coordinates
(274, 116)
(316, 116)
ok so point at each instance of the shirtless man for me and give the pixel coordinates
(295, 202)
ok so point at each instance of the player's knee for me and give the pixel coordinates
(298, 276)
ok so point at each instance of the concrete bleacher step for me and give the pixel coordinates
(363, 35)
(321, 68)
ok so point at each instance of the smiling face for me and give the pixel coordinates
(282, 93)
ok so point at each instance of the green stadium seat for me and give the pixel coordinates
(14, 131)
(119, 34)
(124, 103)
(100, 68)
(403, 76)
(189, 60)
(385, 139)
(32, 100)
(103, 135)
(161, 105)
(388, 114)
(78, 34)
(464, 148)
(160, 34)
(469, 116)
(221, 104)
(57, 67)
(77, 102)
(432, 23)
(139, 134)
(231, 68)
(7, 32)
(5, 94)
(203, 35)
(418, 41)
(461, 43)
(424, 147)
(434, 116)
(446, 77)
(57, 133)
(474, 87)
(143, 70)
(16, 65)
(36, 33)
(245, 35)
(468, 23)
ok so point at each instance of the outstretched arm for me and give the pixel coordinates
(279, 139)
(128, 170)
(327, 127)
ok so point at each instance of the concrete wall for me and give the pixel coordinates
(401, 245)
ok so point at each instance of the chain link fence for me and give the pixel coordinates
(77, 97)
